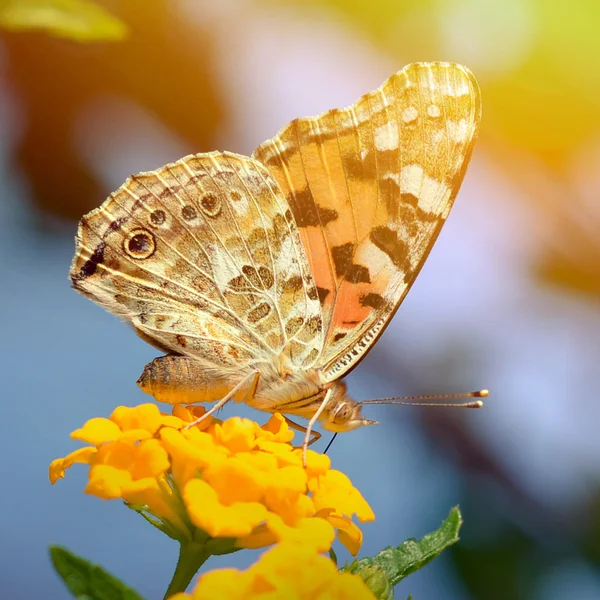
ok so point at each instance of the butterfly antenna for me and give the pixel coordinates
(330, 442)
(426, 400)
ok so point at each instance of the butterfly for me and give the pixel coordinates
(266, 279)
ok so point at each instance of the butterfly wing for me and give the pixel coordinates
(204, 259)
(370, 187)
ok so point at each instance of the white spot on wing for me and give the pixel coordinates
(411, 178)
(458, 130)
(409, 114)
(386, 136)
(460, 89)
(430, 193)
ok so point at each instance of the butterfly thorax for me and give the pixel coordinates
(301, 393)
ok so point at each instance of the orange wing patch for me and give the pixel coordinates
(370, 187)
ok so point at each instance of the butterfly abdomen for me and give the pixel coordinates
(183, 380)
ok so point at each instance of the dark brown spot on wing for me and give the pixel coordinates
(293, 325)
(116, 224)
(181, 340)
(342, 258)
(253, 277)
(323, 293)
(259, 312)
(358, 274)
(240, 284)
(293, 284)
(410, 199)
(339, 336)
(373, 300)
(388, 241)
(266, 277)
(158, 217)
(139, 244)
(211, 205)
(189, 213)
(90, 265)
(307, 213)
(345, 268)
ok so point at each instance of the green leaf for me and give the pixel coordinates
(377, 581)
(333, 556)
(87, 581)
(399, 562)
(78, 20)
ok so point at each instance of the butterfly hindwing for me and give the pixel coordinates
(203, 258)
(370, 187)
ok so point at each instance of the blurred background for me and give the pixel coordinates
(91, 92)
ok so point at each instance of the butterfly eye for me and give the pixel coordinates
(342, 413)
(139, 244)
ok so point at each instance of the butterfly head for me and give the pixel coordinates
(343, 413)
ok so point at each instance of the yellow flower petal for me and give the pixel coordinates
(60, 465)
(235, 480)
(150, 460)
(191, 451)
(276, 429)
(187, 414)
(224, 583)
(349, 587)
(236, 434)
(218, 520)
(134, 435)
(334, 490)
(145, 416)
(107, 482)
(293, 571)
(97, 431)
(309, 532)
(349, 533)
(260, 537)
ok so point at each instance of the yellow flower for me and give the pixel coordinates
(287, 571)
(231, 480)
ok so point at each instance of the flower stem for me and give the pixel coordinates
(192, 556)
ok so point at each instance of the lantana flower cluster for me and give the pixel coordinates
(286, 571)
(233, 482)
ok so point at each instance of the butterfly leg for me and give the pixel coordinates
(311, 423)
(316, 435)
(243, 384)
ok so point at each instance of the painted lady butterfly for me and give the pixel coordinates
(266, 279)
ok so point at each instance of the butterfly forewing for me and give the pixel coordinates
(370, 187)
(203, 258)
